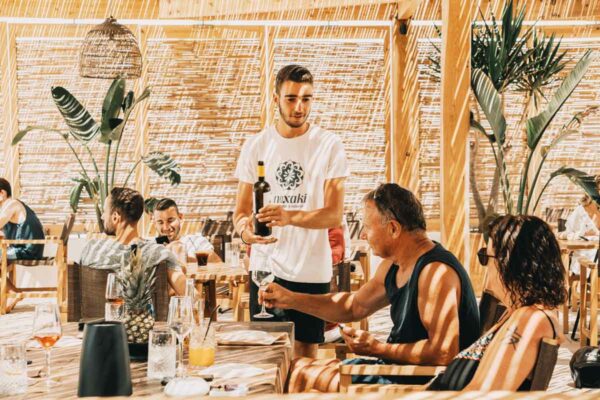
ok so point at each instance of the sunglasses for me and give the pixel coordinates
(483, 256)
(381, 198)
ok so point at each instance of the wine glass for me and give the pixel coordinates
(114, 299)
(47, 330)
(180, 320)
(262, 276)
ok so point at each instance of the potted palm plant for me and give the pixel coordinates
(84, 131)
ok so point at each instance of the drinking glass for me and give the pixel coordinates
(180, 320)
(202, 257)
(232, 254)
(113, 309)
(47, 330)
(197, 301)
(202, 345)
(161, 354)
(13, 369)
(262, 276)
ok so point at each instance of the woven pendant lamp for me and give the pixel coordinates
(110, 50)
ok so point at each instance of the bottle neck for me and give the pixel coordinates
(261, 178)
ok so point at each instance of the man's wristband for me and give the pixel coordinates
(242, 236)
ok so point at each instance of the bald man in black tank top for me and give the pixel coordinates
(433, 306)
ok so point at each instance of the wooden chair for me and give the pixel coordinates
(490, 311)
(589, 300)
(540, 375)
(59, 260)
(87, 293)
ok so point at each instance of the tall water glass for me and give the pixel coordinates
(180, 320)
(13, 369)
(161, 354)
(232, 254)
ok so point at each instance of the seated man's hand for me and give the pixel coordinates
(276, 296)
(179, 250)
(361, 342)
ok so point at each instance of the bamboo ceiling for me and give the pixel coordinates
(209, 93)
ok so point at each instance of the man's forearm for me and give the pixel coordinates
(334, 307)
(422, 352)
(323, 218)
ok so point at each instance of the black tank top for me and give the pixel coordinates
(404, 311)
(31, 228)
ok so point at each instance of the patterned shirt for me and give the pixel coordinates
(110, 254)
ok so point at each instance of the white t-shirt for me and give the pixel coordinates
(296, 169)
(194, 243)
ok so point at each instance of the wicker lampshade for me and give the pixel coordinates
(110, 50)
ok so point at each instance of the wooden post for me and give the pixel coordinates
(141, 131)
(8, 96)
(405, 107)
(456, 76)
(266, 81)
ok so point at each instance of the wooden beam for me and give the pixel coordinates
(141, 134)
(387, 62)
(203, 8)
(80, 8)
(266, 78)
(456, 76)
(8, 96)
(405, 107)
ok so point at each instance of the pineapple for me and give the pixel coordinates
(137, 282)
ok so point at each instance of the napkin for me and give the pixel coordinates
(249, 337)
(233, 370)
(187, 387)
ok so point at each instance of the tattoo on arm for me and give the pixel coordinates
(512, 337)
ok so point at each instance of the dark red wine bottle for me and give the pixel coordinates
(260, 188)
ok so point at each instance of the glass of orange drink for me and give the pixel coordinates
(203, 346)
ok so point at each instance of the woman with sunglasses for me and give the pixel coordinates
(525, 272)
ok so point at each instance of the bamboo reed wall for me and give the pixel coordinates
(209, 92)
(206, 100)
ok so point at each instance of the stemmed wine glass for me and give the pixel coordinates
(47, 330)
(262, 276)
(114, 298)
(180, 321)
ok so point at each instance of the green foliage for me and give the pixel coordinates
(83, 129)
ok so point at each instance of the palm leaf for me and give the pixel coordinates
(490, 102)
(75, 195)
(111, 108)
(22, 133)
(536, 126)
(164, 166)
(81, 124)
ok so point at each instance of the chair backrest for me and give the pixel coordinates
(87, 291)
(490, 311)
(67, 228)
(544, 364)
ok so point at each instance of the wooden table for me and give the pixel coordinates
(208, 276)
(274, 359)
(567, 248)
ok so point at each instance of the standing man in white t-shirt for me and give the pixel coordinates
(306, 168)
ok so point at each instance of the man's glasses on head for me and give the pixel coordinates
(380, 197)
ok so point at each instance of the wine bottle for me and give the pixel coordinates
(260, 188)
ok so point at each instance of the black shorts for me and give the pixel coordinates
(307, 328)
